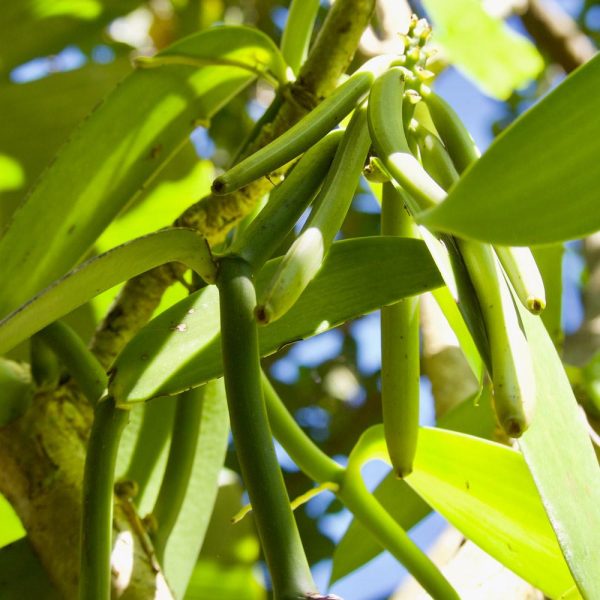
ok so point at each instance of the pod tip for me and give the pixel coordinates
(219, 187)
(514, 427)
(263, 314)
(535, 304)
(403, 471)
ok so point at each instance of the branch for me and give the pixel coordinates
(214, 216)
(557, 34)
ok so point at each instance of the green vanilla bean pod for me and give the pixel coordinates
(182, 452)
(305, 133)
(98, 498)
(81, 364)
(454, 134)
(287, 202)
(522, 271)
(386, 124)
(305, 257)
(350, 489)
(400, 364)
(518, 263)
(512, 368)
(17, 390)
(435, 159)
(252, 436)
(297, 32)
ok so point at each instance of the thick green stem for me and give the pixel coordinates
(392, 537)
(262, 476)
(301, 449)
(182, 452)
(81, 364)
(353, 493)
(98, 497)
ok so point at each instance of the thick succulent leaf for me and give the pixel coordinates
(22, 575)
(358, 546)
(486, 491)
(39, 116)
(504, 60)
(84, 190)
(11, 529)
(33, 28)
(192, 523)
(538, 181)
(102, 273)
(181, 347)
(562, 461)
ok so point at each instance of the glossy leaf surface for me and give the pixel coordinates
(102, 273)
(181, 348)
(538, 181)
(561, 459)
(83, 191)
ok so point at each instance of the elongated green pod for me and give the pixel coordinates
(98, 498)
(454, 134)
(435, 159)
(400, 363)
(522, 271)
(518, 262)
(305, 257)
(297, 32)
(287, 202)
(512, 368)
(103, 272)
(82, 191)
(182, 452)
(386, 125)
(305, 133)
(81, 364)
(275, 522)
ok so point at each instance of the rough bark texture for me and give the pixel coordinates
(42, 453)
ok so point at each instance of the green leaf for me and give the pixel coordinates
(486, 491)
(562, 461)
(22, 575)
(498, 59)
(33, 28)
(265, 58)
(84, 190)
(181, 348)
(102, 273)
(188, 534)
(39, 116)
(538, 181)
(358, 546)
(11, 529)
